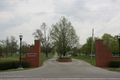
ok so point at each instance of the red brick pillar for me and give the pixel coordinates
(34, 55)
(103, 56)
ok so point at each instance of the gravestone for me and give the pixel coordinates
(33, 56)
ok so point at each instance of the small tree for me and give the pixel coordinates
(13, 45)
(6, 46)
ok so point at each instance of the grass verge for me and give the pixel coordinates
(86, 59)
(57, 59)
(9, 70)
(112, 69)
(43, 58)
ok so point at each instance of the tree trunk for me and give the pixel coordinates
(6, 52)
(11, 54)
(46, 55)
(64, 54)
(86, 54)
(60, 55)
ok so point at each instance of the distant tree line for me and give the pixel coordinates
(10, 46)
(108, 39)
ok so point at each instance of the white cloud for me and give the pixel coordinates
(4, 18)
(25, 16)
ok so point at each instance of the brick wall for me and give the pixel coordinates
(103, 56)
(1, 54)
(34, 55)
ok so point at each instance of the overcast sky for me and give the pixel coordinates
(25, 16)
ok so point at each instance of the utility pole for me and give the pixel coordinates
(92, 43)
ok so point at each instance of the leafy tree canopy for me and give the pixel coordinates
(63, 36)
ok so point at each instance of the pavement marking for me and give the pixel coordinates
(60, 79)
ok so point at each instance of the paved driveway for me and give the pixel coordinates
(54, 69)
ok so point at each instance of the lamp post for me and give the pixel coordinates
(20, 36)
(119, 46)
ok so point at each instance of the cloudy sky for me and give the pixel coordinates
(25, 16)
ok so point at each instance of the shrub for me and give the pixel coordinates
(6, 65)
(64, 57)
(25, 64)
(16, 64)
(13, 64)
(114, 63)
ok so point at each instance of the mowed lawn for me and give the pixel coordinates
(86, 59)
(9, 58)
(16, 57)
(43, 57)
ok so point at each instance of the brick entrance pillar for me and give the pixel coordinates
(34, 55)
(103, 56)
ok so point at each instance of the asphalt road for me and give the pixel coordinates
(54, 69)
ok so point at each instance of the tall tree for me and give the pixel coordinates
(107, 40)
(111, 42)
(40, 34)
(84, 49)
(25, 47)
(95, 38)
(89, 45)
(63, 36)
(13, 45)
(114, 45)
(6, 46)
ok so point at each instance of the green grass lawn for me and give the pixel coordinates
(43, 58)
(86, 59)
(112, 69)
(9, 58)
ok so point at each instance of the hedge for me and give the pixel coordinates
(25, 64)
(6, 65)
(114, 63)
(65, 57)
(13, 64)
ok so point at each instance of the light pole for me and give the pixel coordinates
(119, 46)
(20, 36)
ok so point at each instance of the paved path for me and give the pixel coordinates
(53, 69)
